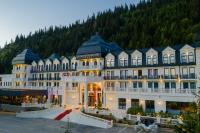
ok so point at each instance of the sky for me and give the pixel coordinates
(25, 16)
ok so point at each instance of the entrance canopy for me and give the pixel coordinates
(22, 92)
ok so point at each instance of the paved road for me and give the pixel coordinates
(11, 124)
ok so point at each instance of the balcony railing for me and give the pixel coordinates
(34, 79)
(169, 76)
(149, 90)
(189, 76)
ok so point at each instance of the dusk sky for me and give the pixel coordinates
(24, 16)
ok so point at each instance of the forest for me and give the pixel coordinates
(150, 23)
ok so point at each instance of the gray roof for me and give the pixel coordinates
(54, 56)
(25, 57)
(96, 46)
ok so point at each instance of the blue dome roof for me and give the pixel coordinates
(25, 57)
(96, 46)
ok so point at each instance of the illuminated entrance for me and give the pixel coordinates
(94, 97)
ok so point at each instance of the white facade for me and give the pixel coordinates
(151, 78)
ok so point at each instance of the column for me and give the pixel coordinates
(63, 96)
(85, 94)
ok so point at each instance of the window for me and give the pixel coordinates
(123, 73)
(154, 59)
(110, 63)
(173, 85)
(156, 85)
(139, 73)
(123, 62)
(185, 85)
(166, 71)
(148, 60)
(123, 84)
(173, 71)
(134, 102)
(134, 85)
(64, 66)
(87, 63)
(150, 84)
(165, 59)
(192, 85)
(95, 63)
(122, 103)
(192, 72)
(167, 86)
(139, 61)
(185, 71)
(190, 57)
(172, 58)
(139, 84)
(136, 61)
(183, 58)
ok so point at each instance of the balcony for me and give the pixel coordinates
(35, 79)
(153, 76)
(111, 77)
(189, 76)
(51, 70)
(170, 76)
(149, 91)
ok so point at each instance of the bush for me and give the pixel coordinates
(135, 110)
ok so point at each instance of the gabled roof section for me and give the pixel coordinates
(25, 57)
(54, 56)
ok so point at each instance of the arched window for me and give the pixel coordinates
(149, 60)
(57, 67)
(183, 57)
(87, 63)
(83, 63)
(172, 58)
(165, 59)
(154, 59)
(95, 62)
(67, 65)
(54, 67)
(63, 67)
(191, 57)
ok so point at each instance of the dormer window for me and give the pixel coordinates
(187, 57)
(110, 63)
(151, 60)
(167, 59)
(136, 61)
(123, 62)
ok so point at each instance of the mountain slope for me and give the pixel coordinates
(149, 24)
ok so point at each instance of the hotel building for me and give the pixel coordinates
(101, 73)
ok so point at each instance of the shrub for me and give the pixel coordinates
(135, 110)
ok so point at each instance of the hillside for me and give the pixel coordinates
(155, 23)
